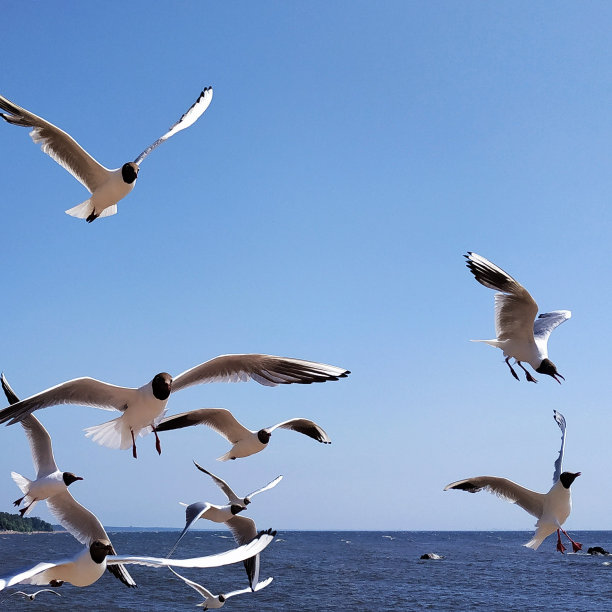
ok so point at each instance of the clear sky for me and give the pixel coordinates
(319, 209)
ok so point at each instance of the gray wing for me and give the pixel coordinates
(265, 369)
(192, 513)
(306, 427)
(189, 118)
(260, 585)
(220, 483)
(194, 585)
(84, 526)
(515, 309)
(270, 485)
(38, 437)
(59, 145)
(29, 575)
(529, 500)
(263, 538)
(81, 391)
(243, 529)
(219, 419)
(546, 323)
(560, 419)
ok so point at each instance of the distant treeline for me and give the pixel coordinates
(14, 522)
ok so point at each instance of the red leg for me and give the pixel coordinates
(157, 442)
(560, 546)
(576, 546)
(134, 446)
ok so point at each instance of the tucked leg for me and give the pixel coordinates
(528, 376)
(133, 446)
(18, 501)
(512, 369)
(560, 546)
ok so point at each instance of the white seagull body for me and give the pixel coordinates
(214, 602)
(519, 334)
(142, 409)
(76, 519)
(87, 567)
(232, 498)
(245, 441)
(106, 186)
(551, 509)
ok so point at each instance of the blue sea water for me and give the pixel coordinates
(344, 570)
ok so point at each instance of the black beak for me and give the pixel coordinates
(559, 375)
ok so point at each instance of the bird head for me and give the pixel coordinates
(567, 478)
(246, 501)
(99, 549)
(263, 435)
(129, 172)
(162, 386)
(69, 478)
(548, 367)
(236, 509)
(222, 598)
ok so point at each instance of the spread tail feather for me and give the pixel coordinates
(535, 542)
(21, 481)
(114, 434)
(495, 343)
(225, 457)
(82, 210)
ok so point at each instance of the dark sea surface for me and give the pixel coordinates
(344, 570)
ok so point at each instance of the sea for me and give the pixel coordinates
(336, 570)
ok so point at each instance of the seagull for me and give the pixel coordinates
(143, 408)
(216, 601)
(49, 479)
(243, 529)
(519, 334)
(246, 441)
(32, 596)
(76, 519)
(106, 186)
(232, 498)
(87, 567)
(551, 509)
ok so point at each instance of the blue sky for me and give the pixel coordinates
(319, 209)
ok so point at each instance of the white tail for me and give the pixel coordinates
(114, 434)
(21, 481)
(225, 457)
(81, 211)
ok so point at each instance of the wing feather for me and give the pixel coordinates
(267, 370)
(529, 500)
(304, 426)
(58, 145)
(81, 391)
(560, 419)
(219, 419)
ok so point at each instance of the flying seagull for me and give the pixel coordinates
(519, 333)
(143, 408)
(87, 567)
(216, 601)
(245, 441)
(551, 509)
(76, 519)
(106, 186)
(32, 596)
(243, 529)
(49, 479)
(232, 498)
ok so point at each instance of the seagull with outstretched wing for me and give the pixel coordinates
(245, 441)
(519, 333)
(106, 186)
(551, 509)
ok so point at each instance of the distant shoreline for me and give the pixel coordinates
(8, 532)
